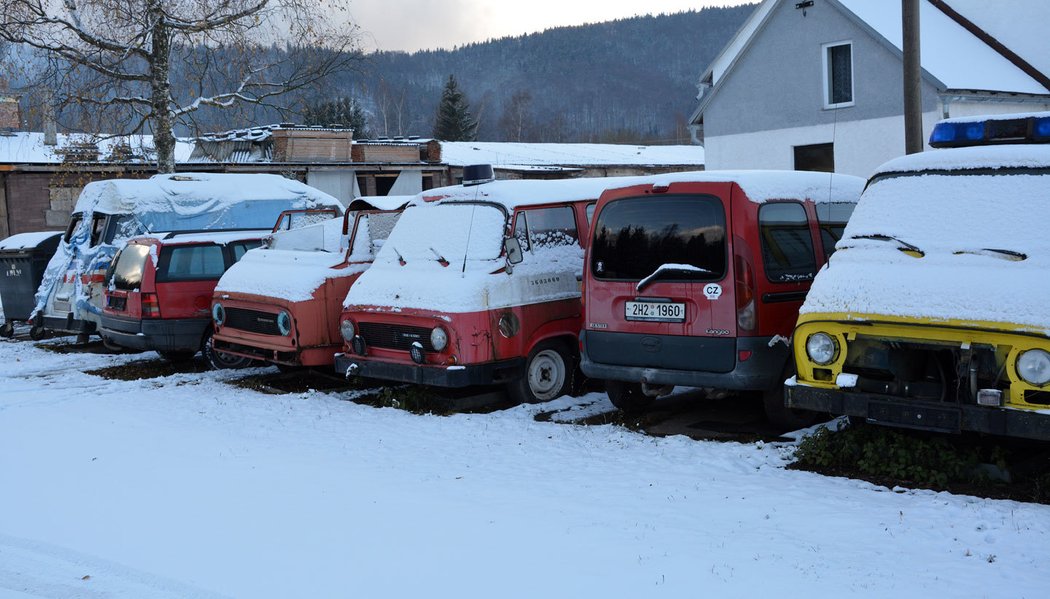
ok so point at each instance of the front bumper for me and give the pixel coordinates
(182, 334)
(488, 373)
(763, 370)
(921, 415)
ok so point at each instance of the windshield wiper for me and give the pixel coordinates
(904, 245)
(400, 258)
(1007, 254)
(669, 269)
(441, 259)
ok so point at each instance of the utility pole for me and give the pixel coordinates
(913, 139)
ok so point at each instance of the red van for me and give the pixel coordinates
(696, 279)
(477, 285)
(282, 304)
(160, 290)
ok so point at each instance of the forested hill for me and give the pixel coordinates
(631, 80)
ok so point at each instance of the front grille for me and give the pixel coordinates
(253, 321)
(394, 336)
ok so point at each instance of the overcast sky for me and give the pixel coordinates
(429, 24)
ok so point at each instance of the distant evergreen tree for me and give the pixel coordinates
(454, 121)
(343, 111)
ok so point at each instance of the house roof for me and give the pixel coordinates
(28, 147)
(953, 57)
(555, 156)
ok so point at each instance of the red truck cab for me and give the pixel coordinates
(477, 284)
(696, 279)
(160, 287)
(282, 303)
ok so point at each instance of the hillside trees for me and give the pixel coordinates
(454, 121)
(115, 59)
(343, 111)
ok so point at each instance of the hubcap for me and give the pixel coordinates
(546, 374)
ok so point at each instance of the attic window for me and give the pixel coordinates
(838, 74)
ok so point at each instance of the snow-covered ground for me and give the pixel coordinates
(187, 487)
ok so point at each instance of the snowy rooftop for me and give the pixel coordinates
(528, 156)
(979, 157)
(28, 147)
(950, 53)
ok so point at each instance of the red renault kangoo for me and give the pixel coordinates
(696, 279)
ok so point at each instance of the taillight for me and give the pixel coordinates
(745, 295)
(150, 305)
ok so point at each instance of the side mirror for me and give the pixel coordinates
(512, 247)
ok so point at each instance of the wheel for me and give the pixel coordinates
(219, 360)
(177, 355)
(628, 397)
(547, 371)
(7, 329)
(36, 332)
(781, 416)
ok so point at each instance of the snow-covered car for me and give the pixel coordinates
(107, 213)
(479, 284)
(695, 279)
(159, 290)
(282, 303)
(933, 313)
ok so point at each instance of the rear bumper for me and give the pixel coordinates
(182, 334)
(763, 370)
(921, 415)
(488, 373)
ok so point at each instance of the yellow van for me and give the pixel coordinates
(934, 312)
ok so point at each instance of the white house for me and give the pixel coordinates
(818, 84)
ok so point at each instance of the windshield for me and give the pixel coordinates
(635, 237)
(455, 233)
(249, 214)
(953, 214)
(126, 271)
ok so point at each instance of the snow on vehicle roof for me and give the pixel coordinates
(191, 193)
(290, 275)
(219, 237)
(974, 157)
(760, 186)
(985, 252)
(22, 241)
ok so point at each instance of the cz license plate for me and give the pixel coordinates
(655, 311)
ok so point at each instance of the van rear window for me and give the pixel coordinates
(833, 218)
(787, 245)
(634, 237)
(190, 263)
(126, 271)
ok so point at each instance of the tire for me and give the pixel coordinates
(218, 360)
(548, 374)
(628, 397)
(36, 332)
(177, 355)
(781, 416)
(7, 329)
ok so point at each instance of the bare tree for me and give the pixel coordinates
(516, 122)
(117, 58)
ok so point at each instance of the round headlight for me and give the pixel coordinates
(218, 314)
(284, 323)
(1034, 367)
(346, 328)
(438, 338)
(822, 348)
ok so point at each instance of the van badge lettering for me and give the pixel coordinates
(717, 332)
(712, 291)
(598, 325)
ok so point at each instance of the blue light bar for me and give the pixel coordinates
(1009, 130)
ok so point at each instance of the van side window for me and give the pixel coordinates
(74, 222)
(787, 246)
(190, 263)
(832, 219)
(241, 248)
(552, 227)
(98, 228)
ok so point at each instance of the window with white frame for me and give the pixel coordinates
(838, 74)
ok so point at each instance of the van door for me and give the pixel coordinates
(660, 288)
(789, 264)
(186, 278)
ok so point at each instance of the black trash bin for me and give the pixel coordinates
(23, 259)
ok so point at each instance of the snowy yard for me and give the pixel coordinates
(187, 487)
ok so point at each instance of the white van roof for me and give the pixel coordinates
(760, 186)
(974, 157)
(190, 193)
